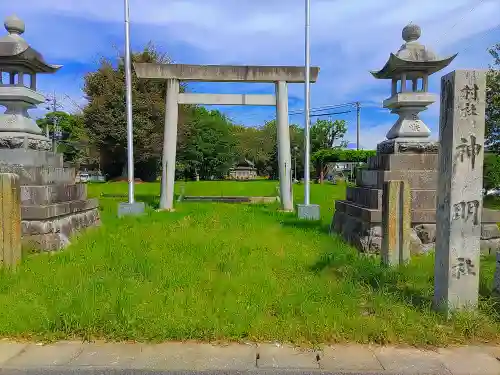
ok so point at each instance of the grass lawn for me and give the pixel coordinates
(213, 271)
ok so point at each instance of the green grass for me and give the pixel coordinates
(213, 271)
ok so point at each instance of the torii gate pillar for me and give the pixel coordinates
(174, 73)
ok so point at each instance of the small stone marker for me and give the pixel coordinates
(396, 223)
(10, 220)
(460, 181)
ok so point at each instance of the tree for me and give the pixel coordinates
(324, 134)
(491, 171)
(74, 145)
(493, 102)
(209, 148)
(105, 115)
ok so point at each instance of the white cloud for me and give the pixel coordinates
(349, 38)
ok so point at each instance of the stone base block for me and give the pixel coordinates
(403, 162)
(417, 179)
(41, 175)
(427, 216)
(16, 140)
(372, 198)
(127, 209)
(31, 158)
(308, 212)
(408, 146)
(367, 237)
(58, 209)
(51, 194)
(54, 234)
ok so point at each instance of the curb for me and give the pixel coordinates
(72, 356)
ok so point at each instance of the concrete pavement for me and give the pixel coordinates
(118, 358)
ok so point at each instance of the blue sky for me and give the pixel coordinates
(348, 39)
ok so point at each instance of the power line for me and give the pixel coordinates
(459, 20)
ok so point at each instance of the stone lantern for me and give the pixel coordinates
(407, 155)
(413, 63)
(19, 65)
(53, 205)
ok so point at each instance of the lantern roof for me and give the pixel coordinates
(413, 58)
(16, 52)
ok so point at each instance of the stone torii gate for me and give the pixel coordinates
(174, 73)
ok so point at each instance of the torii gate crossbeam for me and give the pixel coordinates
(174, 73)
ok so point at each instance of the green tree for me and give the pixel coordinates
(74, 145)
(324, 134)
(493, 101)
(209, 148)
(105, 115)
(491, 171)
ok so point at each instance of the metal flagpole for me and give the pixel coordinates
(307, 105)
(128, 82)
(358, 124)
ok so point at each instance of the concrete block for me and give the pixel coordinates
(10, 220)
(285, 357)
(396, 146)
(409, 361)
(9, 349)
(489, 231)
(404, 162)
(367, 197)
(308, 211)
(32, 158)
(41, 175)
(420, 180)
(418, 216)
(372, 198)
(55, 234)
(62, 224)
(349, 358)
(197, 357)
(39, 356)
(128, 209)
(50, 194)
(57, 209)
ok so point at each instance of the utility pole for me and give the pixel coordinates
(53, 105)
(358, 124)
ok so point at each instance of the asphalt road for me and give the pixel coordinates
(97, 371)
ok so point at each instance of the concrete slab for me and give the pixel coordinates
(274, 356)
(224, 73)
(469, 361)
(9, 350)
(36, 356)
(114, 355)
(186, 356)
(308, 212)
(409, 361)
(349, 358)
(131, 209)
